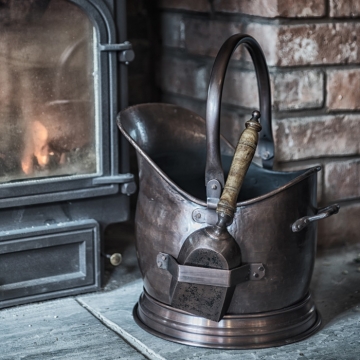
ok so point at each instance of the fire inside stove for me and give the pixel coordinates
(48, 74)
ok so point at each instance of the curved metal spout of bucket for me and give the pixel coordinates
(214, 168)
(158, 131)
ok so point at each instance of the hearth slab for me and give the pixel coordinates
(59, 329)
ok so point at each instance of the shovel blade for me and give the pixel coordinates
(210, 302)
(201, 249)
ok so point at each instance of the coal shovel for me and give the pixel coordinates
(213, 247)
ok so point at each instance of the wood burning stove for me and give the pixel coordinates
(63, 168)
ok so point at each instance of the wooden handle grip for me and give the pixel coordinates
(244, 154)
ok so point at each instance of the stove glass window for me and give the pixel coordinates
(48, 101)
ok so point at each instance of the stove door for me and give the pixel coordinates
(58, 99)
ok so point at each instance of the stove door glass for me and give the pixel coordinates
(48, 101)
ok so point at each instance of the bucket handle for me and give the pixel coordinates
(301, 223)
(214, 170)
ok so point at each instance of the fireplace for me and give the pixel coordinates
(63, 168)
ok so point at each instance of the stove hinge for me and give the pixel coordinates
(126, 53)
(128, 185)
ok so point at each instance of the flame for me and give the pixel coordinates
(36, 146)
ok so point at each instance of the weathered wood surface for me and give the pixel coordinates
(60, 329)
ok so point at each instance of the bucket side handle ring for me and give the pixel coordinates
(214, 168)
(301, 223)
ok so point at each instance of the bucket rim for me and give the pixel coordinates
(305, 172)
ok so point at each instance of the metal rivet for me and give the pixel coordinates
(116, 259)
(256, 275)
(261, 268)
(198, 215)
(214, 187)
(266, 155)
(159, 264)
(163, 257)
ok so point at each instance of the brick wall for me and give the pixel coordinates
(312, 49)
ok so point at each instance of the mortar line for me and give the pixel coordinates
(242, 64)
(279, 20)
(127, 337)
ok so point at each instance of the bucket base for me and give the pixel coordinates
(248, 331)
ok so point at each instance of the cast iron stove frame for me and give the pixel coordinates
(51, 231)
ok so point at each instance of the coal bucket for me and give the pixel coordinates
(274, 225)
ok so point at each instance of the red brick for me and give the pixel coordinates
(197, 36)
(267, 36)
(304, 8)
(294, 166)
(189, 5)
(314, 137)
(188, 78)
(319, 44)
(298, 90)
(341, 228)
(291, 90)
(273, 8)
(344, 8)
(343, 89)
(240, 89)
(293, 45)
(172, 30)
(342, 180)
(205, 37)
(191, 78)
(185, 77)
(283, 45)
(265, 8)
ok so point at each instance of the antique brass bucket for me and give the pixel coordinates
(274, 224)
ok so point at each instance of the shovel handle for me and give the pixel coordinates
(243, 156)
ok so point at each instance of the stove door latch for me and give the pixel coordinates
(126, 53)
(128, 185)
